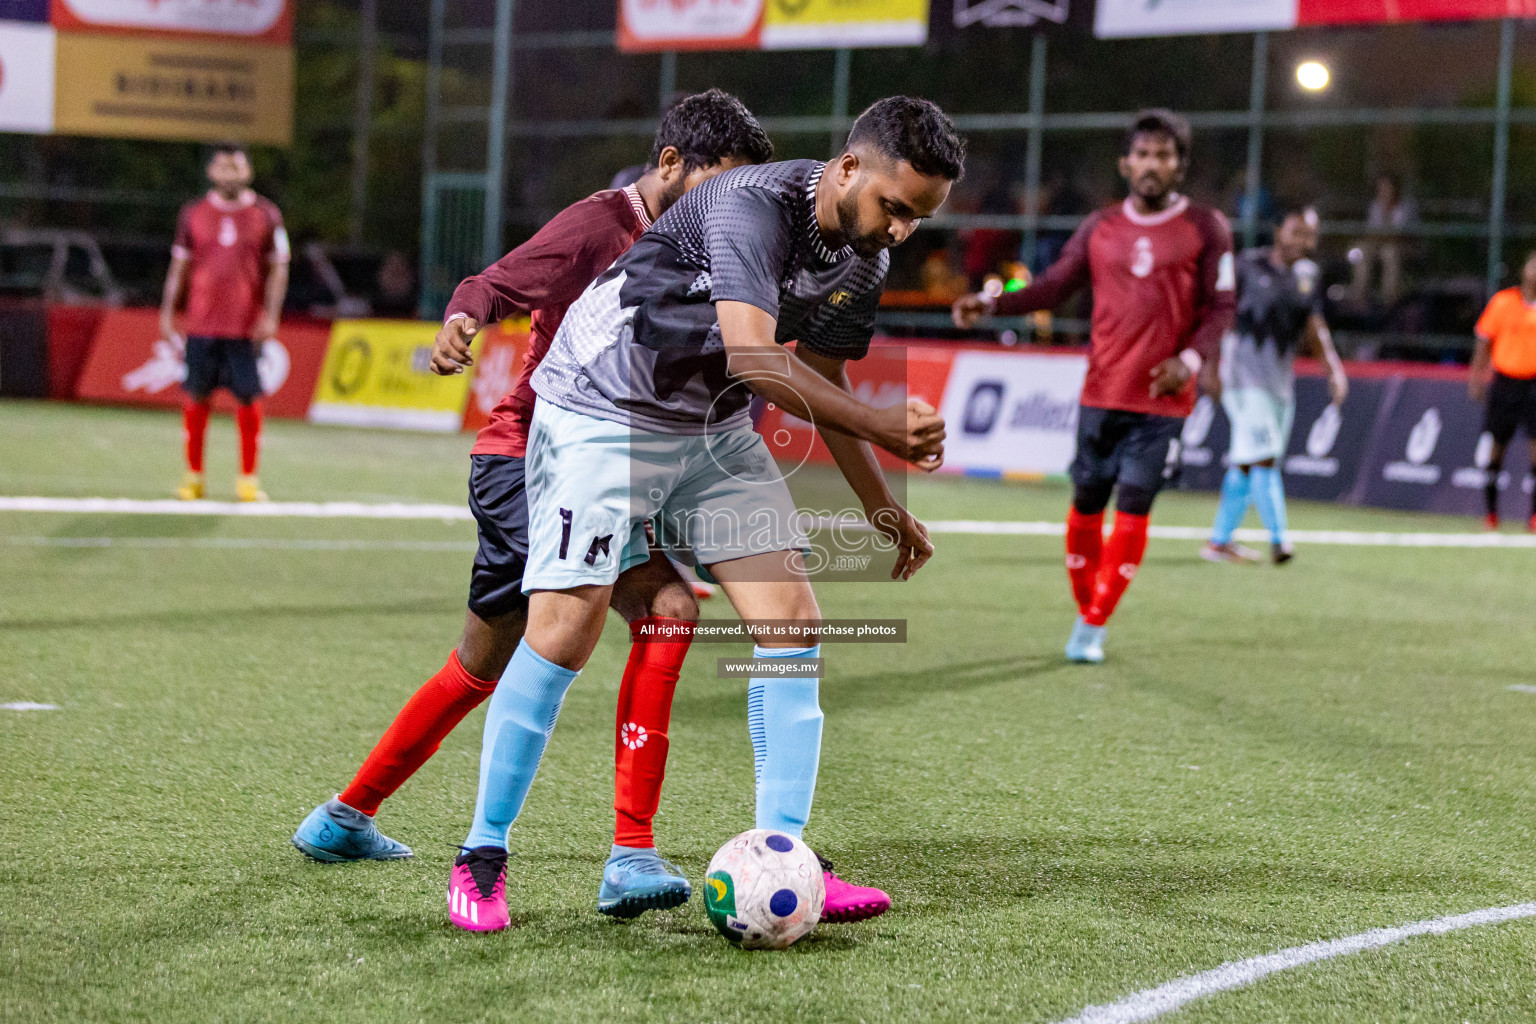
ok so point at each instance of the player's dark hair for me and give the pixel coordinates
(1293, 209)
(709, 127)
(914, 130)
(220, 148)
(1158, 121)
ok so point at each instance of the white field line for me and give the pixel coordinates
(260, 509)
(27, 705)
(1521, 688)
(404, 511)
(240, 543)
(1154, 1002)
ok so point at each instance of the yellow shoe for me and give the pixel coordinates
(191, 488)
(248, 488)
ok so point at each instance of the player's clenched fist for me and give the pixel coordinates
(921, 435)
(968, 309)
(450, 350)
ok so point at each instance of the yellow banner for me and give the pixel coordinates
(377, 373)
(802, 24)
(149, 88)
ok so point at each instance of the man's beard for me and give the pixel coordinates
(866, 244)
(1153, 189)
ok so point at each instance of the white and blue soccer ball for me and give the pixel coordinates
(764, 890)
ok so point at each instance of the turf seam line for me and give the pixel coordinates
(1170, 996)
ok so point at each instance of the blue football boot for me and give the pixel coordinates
(635, 881)
(335, 833)
(1086, 644)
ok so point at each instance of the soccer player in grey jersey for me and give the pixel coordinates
(642, 415)
(1279, 308)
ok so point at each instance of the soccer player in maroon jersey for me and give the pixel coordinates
(699, 138)
(232, 246)
(1163, 277)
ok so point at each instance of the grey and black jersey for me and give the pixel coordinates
(1273, 307)
(642, 344)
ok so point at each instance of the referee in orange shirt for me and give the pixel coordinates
(1504, 372)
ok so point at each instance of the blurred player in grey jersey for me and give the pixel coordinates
(1279, 309)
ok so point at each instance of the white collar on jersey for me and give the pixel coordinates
(638, 205)
(223, 205)
(813, 230)
(1152, 220)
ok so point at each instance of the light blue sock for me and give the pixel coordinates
(1234, 505)
(785, 719)
(1269, 497)
(518, 721)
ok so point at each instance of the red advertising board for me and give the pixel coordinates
(498, 361)
(1356, 12)
(266, 21)
(647, 25)
(129, 363)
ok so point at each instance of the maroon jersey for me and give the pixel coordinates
(229, 247)
(1161, 284)
(543, 276)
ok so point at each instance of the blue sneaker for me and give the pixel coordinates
(1086, 644)
(335, 833)
(635, 881)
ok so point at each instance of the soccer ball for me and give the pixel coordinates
(764, 890)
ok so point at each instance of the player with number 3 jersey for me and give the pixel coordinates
(1162, 273)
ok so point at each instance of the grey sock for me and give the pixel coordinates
(626, 851)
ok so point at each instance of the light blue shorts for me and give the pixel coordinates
(594, 485)
(1261, 424)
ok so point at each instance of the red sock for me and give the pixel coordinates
(414, 735)
(1085, 542)
(248, 419)
(1122, 556)
(194, 427)
(644, 713)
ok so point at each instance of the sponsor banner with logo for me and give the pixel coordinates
(265, 20)
(815, 24)
(650, 25)
(1126, 18)
(130, 363)
(377, 373)
(1429, 454)
(164, 88)
(647, 25)
(952, 17)
(1328, 443)
(27, 62)
(499, 355)
(1012, 414)
(1203, 446)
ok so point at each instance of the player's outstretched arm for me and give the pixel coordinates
(914, 432)
(1066, 277)
(856, 460)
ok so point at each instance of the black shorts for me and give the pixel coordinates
(222, 363)
(1132, 449)
(499, 501)
(1511, 405)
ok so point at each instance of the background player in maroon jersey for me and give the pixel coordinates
(1162, 273)
(232, 245)
(699, 137)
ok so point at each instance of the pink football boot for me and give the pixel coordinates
(477, 890)
(847, 902)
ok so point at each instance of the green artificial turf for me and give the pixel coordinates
(1269, 757)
